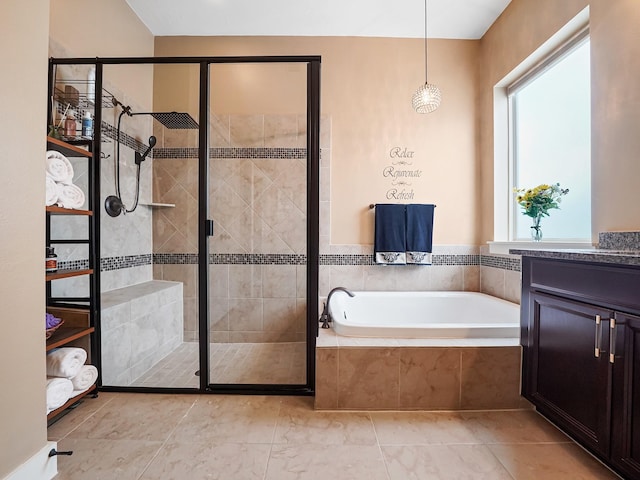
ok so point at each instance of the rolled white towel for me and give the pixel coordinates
(52, 191)
(86, 377)
(58, 391)
(70, 196)
(65, 362)
(59, 167)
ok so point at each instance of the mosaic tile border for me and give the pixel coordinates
(109, 131)
(353, 259)
(503, 263)
(117, 263)
(73, 264)
(234, 152)
(231, 259)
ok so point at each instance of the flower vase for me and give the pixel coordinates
(536, 229)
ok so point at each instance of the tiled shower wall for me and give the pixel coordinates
(125, 240)
(257, 200)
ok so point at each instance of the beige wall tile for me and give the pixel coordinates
(280, 131)
(430, 378)
(368, 378)
(492, 281)
(219, 281)
(246, 130)
(187, 274)
(219, 130)
(219, 314)
(245, 281)
(512, 286)
(446, 278)
(491, 378)
(245, 314)
(279, 315)
(471, 278)
(326, 378)
(279, 281)
(412, 278)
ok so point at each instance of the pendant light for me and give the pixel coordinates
(427, 98)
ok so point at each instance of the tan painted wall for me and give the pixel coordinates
(80, 28)
(367, 85)
(615, 53)
(615, 50)
(23, 128)
(22, 375)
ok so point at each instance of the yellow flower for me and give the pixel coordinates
(537, 201)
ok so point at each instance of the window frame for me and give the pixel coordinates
(569, 37)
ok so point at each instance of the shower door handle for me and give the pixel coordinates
(208, 227)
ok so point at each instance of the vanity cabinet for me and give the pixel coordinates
(581, 354)
(625, 446)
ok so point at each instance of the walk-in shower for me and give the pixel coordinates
(214, 267)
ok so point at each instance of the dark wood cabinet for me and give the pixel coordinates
(569, 382)
(581, 347)
(625, 446)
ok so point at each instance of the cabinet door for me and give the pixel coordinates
(569, 376)
(625, 434)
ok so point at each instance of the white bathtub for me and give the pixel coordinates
(424, 315)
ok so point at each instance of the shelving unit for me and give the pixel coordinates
(78, 312)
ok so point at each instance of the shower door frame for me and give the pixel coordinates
(205, 225)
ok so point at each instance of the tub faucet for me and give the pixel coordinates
(325, 317)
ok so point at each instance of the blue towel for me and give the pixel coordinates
(419, 233)
(390, 234)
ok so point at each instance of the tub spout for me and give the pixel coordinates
(325, 317)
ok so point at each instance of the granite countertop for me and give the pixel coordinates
(601, 255)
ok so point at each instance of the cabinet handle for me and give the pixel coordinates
(612, 340)
(598, 336)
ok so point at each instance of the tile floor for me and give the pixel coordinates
(128, 436)
(263, 363)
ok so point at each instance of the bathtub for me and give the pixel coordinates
(424, 315)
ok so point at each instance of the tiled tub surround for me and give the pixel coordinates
(500, 275)
(140, 325)
(417, 374)
(455, 268)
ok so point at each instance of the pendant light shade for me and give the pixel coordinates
(427, 98)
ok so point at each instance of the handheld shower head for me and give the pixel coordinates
(141, 158)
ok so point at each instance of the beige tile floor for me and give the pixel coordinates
(246, 363)
(128, 436)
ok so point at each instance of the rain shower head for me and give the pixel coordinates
(172, 120)
(176, 120)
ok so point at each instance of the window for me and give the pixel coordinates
(550, 138)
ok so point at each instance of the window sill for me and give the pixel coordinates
(503, 248)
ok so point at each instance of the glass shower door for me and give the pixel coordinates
(258, 202)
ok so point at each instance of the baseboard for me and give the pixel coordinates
(39, 467)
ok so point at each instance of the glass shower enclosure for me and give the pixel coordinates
(208, 238)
